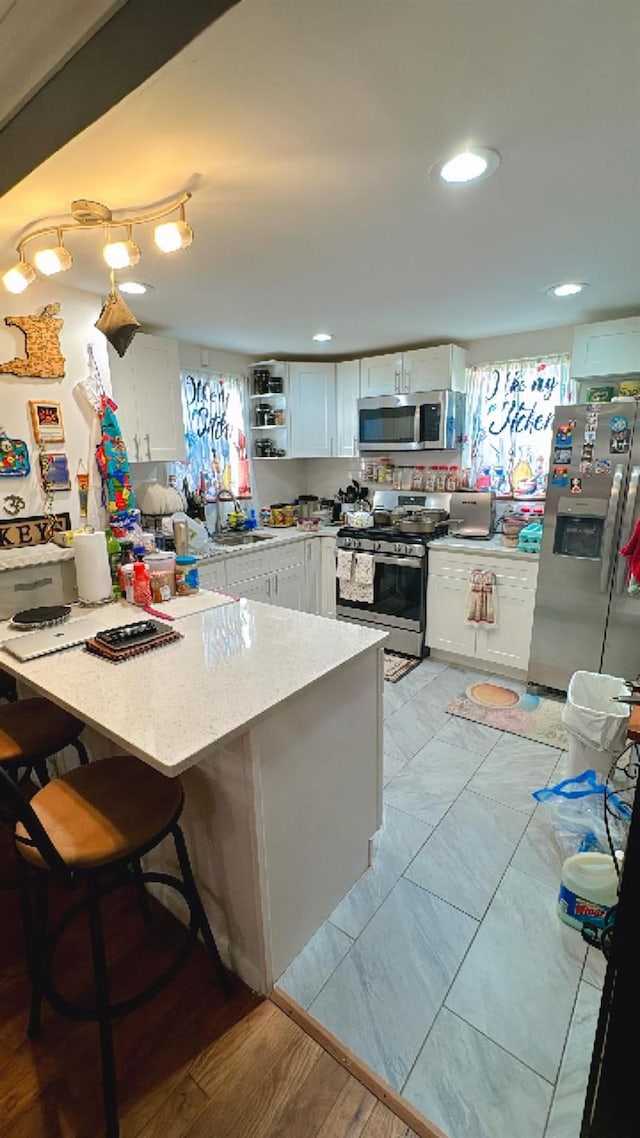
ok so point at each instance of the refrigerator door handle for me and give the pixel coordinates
(627, 526)
(609, 529)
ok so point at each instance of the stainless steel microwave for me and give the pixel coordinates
(425, 420)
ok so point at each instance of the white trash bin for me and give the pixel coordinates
(595, 723)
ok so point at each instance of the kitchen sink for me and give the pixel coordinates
(241, 538)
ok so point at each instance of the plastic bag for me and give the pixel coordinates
(576, 810)
(592, 714)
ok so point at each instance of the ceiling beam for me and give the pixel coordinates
(138, 39)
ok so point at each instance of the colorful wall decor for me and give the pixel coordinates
(13, 504)
(14, 457)
(46, 417)
(55, 471)
(43, 356)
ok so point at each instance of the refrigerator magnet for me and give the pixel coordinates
(562, 455)
(589, 436)
(560, 476)
(576, 486)
(619, 441)
(586, 466)
(603, 466)
(587, 452)
(564, 435)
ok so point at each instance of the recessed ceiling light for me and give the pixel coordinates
(570, 288)
(135, 288)
(471, 165)
(323, 337)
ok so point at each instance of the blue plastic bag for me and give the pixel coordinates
(576, 810)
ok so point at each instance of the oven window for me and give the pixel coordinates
(387, 425)
(430, 422)
(399, 591)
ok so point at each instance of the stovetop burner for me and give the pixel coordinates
(388, 533)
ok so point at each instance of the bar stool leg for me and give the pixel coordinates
(143, 896)
(82, 752)
(40, 963)
(196, 904)
(41, 771)
(109, 1087)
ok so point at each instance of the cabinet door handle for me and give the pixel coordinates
(148, 441)
(354, 448)
(137, 446)
(407, 382)
(275, 583)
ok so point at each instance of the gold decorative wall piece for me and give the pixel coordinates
(44, 358)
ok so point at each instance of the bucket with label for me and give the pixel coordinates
(588, 890)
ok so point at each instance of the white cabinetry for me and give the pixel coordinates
(312, 560)
(275, 575)
(504, 646)
(434, 369)
(146, 387)
(327, 576)
(312, 410)
(380, 375)
(347, 393)
(611, 348)
(288, 588)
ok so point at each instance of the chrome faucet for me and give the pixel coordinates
(224, 496)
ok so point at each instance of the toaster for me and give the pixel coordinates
(472, 513)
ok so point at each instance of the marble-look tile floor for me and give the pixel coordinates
(446, 968)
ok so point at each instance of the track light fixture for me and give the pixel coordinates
(169, 238)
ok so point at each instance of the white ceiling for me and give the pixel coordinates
(309, 130)
(37, 38)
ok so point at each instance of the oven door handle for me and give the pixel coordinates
(408, 562)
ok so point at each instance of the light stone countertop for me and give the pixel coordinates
(237, 662)
(480, 548)
(281, 536)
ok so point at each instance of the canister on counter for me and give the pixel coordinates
(162, 572)
(187, 577)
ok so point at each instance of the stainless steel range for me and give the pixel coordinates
(399, 603)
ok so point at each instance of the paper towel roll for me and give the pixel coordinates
(93, 574)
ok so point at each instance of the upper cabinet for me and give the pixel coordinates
(607, 349)
(380, 375)
(312, 410)
(347, 393)
(146, 388)
(424, 369)
(434, 369)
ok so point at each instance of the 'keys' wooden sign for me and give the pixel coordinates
(17, 533)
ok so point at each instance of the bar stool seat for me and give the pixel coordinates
(33, 729)
(89, 819)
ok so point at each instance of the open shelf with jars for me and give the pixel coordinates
(268, 409)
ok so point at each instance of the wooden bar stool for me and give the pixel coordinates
(90, 825)
(32, 730)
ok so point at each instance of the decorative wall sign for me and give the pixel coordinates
(55, 471)
(48, 426)
(13, 503)
(14, 458)
(44, 358)
(22, 532)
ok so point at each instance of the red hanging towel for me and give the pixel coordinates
(632, 552)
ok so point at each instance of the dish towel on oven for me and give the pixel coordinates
(355, 573)
(481, 603)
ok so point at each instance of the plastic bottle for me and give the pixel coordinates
(588, 889)
(441, 477)
(114, 549)
(417, 478)
(141, 584)
(452, 478)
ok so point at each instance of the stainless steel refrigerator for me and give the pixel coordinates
(584, 616)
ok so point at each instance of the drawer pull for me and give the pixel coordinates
(25, 587)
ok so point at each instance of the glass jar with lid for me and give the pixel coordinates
(441, 477)
(430, 479)
(452, 478)
(417, 478)
(397, 478)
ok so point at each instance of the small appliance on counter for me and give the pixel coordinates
(472, 514)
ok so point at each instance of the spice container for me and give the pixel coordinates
(187, 577)
(441, 477)
(397, 478)
(430, 479)
(452, 478)
(162, 573)
(141, 584)
(417, 478)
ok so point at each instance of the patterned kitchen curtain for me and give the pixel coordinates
(214, 414)
(509, 423)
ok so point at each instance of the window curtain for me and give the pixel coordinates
(215, 417)
(509, 423)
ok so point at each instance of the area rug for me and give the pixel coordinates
(497, 705)
(395, 666)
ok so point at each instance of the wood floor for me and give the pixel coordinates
(189, 1063)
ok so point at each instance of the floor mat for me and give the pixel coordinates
(396, 666)
(500, 706)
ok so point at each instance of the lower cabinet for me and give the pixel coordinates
(327, 576)
(506, 644)
(300, 575)
(288, 587)
(255, 589)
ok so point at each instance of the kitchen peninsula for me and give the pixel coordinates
(274, 720)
